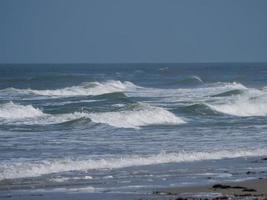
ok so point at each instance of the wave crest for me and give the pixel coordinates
(85, 89)
(16, 111)
(28, 115)
(252, 103)
(140, 116)
(241, 109)
(135, 117)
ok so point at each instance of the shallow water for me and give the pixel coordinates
(131, 127)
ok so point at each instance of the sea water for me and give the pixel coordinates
(130, 127)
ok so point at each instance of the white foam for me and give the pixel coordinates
(54, 119)
(62, 103)
(21, 169)
(241, 109)
(249, 104)
(15, 111)
(142, 116)
(28, 115)
(185, 94)
(91, 88)
(87, 88)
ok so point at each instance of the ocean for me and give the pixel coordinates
(130, 128)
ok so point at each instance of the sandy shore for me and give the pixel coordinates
(249, 190)
(252, 189)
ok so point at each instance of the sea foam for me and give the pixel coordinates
(252, 103)
(85, 89)
(16, 111)
(186, 94)
(21, 169)
(141, 116)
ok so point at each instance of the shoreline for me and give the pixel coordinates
(249, 189)
(252, 188)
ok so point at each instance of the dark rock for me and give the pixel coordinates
(264, 158)
(221, 198)
(249, 190)
(181, 198)
(220, 186)
(238, 187)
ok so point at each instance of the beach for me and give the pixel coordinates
(252, 189)
(249, 188)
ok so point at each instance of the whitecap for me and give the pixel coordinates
(12, 113)
(15, 111)
(253, 103)
(85, 89)
(143, 115)
(186, 94)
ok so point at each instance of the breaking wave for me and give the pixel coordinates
(141, 115)
(251, 103)
(85, 89)
(242, 108)
(15, 111)
(11, 113)
(187, 94)
(33, 169)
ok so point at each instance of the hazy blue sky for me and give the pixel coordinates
(133, 31)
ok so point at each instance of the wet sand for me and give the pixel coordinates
(252, 189)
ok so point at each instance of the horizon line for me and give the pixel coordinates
(135, 63)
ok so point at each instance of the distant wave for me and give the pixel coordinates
(22, 169)
(129, 89)
(85, 89)
(191, 80)
(196, 78)
(141, 115)
(187, 94)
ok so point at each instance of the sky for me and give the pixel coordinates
(133, 31)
